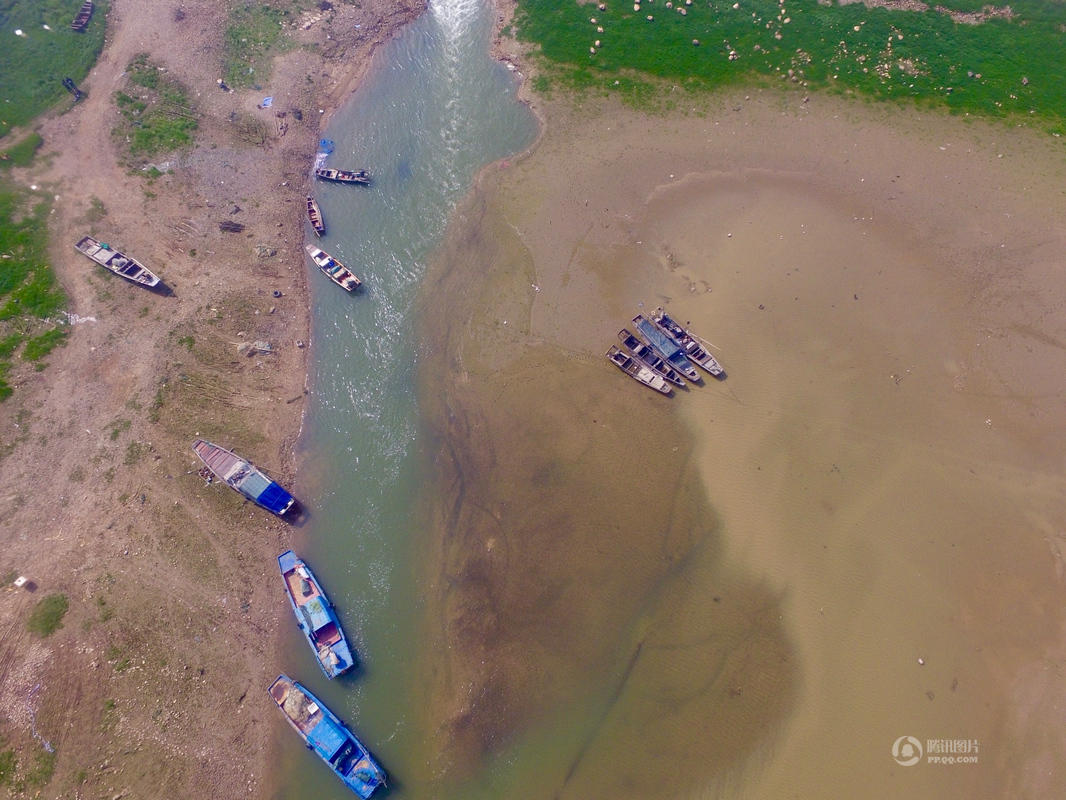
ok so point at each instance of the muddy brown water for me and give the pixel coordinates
(756, 587)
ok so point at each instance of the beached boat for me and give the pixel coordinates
(666, 347)
(633, 368)
(244, 477)
(689, 342)
(119, 263)
(315, 615)
(335, 270)
(343, 175)
(324, 733)
(85, 13)
(649, 357)
(314, 213)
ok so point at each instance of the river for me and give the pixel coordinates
(434, 109)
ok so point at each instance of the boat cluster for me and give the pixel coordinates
(662, 354)
(330, 266)
(320, 729)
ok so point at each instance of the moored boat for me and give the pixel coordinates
(315, 615)
(314, 214)
(343, 175)
(85, 13)
(244, 477)
(633, 368)
(690, 343)
(666, 347)
(648, 356)
(335, 270)
(121, 264)
(324, 733)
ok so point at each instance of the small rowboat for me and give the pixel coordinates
(244, 477)
(85, 13)
(689, 342)
(343, 175)
(330, 738)
(314, 213)
(315, 615)
(644, 353)
(335, 270)
(119, 263)
(637, 371)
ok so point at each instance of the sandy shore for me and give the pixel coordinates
(764, 581)
(154, 686)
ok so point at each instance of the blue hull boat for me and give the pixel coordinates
(315, 615)
(328, 737)
(666, 347)
(243, 476)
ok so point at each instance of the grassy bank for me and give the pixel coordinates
(33, 64)
(254, 35)
(29, 295)
(156, 113)
(958, 57)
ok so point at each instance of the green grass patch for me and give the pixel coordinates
(157, 115)
(32, 66)
(21, 154)
(1002, 67)
(29, 294)
(39, 346)
(47, 616)
(44, 766)
(8, 764)
(9, 343)
(255, 34)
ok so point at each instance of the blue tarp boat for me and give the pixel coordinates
(324, 733)
(666, 347)
(244, 477)
(315, 616)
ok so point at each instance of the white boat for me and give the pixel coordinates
(690, 343)
(637, 371)
(119, 263)
(343, 175)
(335, 270)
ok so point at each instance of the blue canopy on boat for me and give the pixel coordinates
(327, 738)
(315, 613)
(266, 492)
(658, 339)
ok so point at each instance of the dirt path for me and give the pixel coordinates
(153, 686)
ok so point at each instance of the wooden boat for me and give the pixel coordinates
(630, 366)
(315, 615)
(689, 342)
(324, 733)
(119, 263)
(314, 213)
(335, 270)
(343, 175)
(646, 354)
(244, 477)
(85, 13)
(666, 347)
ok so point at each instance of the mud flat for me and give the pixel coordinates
(760, 584)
